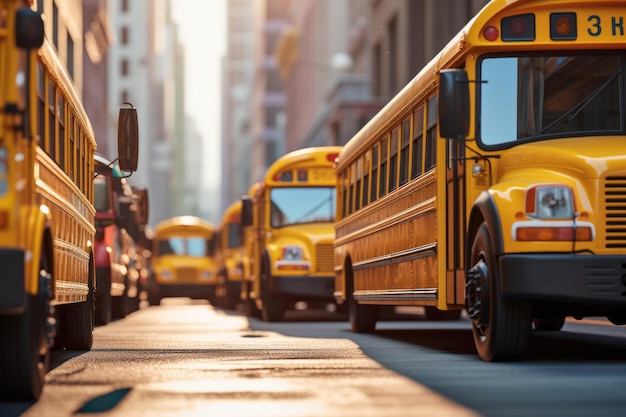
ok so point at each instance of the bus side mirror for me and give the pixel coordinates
(246, 211)
(453, 104)
(29, 30)
(128, 139)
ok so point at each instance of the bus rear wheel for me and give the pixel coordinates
(25, 342)
(363, 317)
(501, 326)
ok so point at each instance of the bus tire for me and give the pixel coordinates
(25, 342)
(274, 305)
(501, 326)
(363, 317)
(76, 320)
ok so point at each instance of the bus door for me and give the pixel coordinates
(455, 221)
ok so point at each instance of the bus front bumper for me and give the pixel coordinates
(569, 278)
(13, 295)
(304, 287)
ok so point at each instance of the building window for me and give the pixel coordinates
(124, 68)
(55, 25)
(124, 5)
(70, 55)
(125, 97)
(124, 36)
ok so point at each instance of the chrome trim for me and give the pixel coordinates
(408, 294)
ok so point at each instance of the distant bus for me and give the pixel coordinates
(46, 204)
(183, 263)
(249, 241)
(229, 257)
(495, 181)
(291, 216)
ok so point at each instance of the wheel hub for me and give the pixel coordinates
(477, 296)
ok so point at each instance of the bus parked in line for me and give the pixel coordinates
(291, 216)
(495, 180)
(247, 260)
(47, 213)
(117, 276)
(183, 263)
(229, 257)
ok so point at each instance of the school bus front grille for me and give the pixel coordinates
(615, 209)
(187, 275)
(324, 257)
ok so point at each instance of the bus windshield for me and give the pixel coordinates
(295, 205)
(192, 246)
(538, 97)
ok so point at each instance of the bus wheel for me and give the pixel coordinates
(25, 342)
(76, 321)
(549, 324)
(274, 305)
(363, 317)
(501, 326)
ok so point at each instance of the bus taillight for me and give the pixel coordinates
(563, 26)
(518, 28)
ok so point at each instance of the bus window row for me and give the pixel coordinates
(63, 135)
(402, 153)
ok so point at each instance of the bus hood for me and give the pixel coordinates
(314, 233)
(589, 157)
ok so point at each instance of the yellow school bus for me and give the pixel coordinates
(495, 181)
(47, 209)
(247, 259)
(291, 216)
(229, 256)
(183, 263)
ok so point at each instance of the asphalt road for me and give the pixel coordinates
(187, 358)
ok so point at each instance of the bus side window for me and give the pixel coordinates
(366, 175)
(344, 193)
(393, 159)
(384, 151)
(404, 151)
(374, 182)
(418, 141)
(357, 192)
(41, 105)
(431, 134)
(351, 195)
(52, 104)
(61, 117)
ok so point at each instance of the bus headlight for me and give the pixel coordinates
(206, 275)
(292, 258)
(550, 201)
(166, 274)
(552, 210)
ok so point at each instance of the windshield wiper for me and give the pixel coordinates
(567, 117)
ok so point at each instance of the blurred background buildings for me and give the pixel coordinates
(296, 73)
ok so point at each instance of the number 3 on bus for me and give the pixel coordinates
(47, 209)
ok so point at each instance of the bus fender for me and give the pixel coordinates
(484, 210)
(38, 235)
